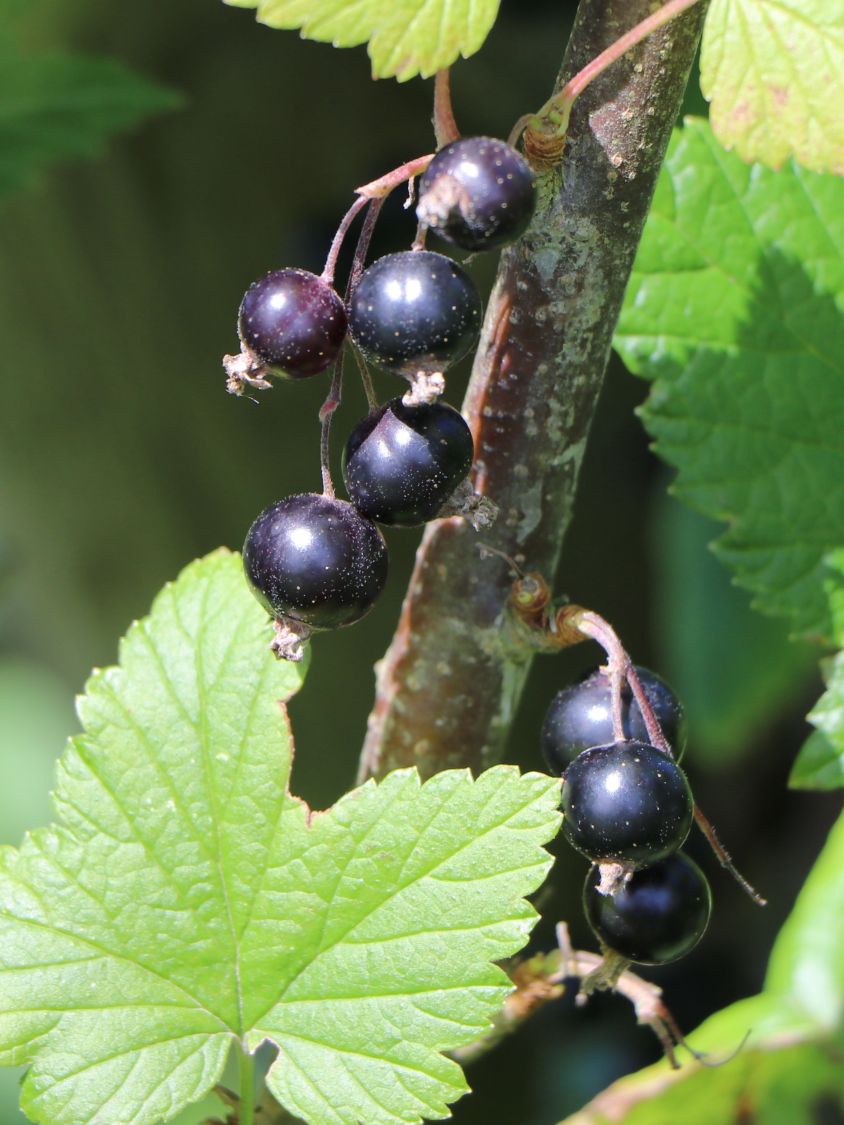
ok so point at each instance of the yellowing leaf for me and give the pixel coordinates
(405, 37)
(774, 72)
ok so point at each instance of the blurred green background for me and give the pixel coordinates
(121, 458)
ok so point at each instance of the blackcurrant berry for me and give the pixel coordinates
(477, 193)
(626, 803)
(316, 560)
(293, 321)
(658, 915)
(580, 716)
(402, 463)
(415, 312)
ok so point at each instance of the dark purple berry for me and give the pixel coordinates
(293, 321)
(658, 915)
(477, 193)
(316, 560)
(415, 312)
(580, 716)
(402, 463)
(626, 803)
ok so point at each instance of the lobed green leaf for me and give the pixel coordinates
(774, 72)
(404, 38)
(184, 901)
(734, 312)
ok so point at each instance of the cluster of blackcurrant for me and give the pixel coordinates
(316, 562)
(628, 807)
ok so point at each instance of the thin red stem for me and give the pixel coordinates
(364, 239)
(620, 667)
(366, 379)
(555, 113)
(655, 735)
(326, 413)
(445, 127)
(337, 241)
(724, 859)
(378, 189)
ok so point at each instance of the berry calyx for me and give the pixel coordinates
(414, 312)
(293, 322)
(626, 803)
(477, 193)
(315, 560)
(403, 462)
(657, 915)
(580, 716)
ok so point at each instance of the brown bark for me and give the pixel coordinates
(447, 687)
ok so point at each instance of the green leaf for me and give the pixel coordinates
(733, 694)
(820, 763)
(185, 901)
(405, 37)
(774, 72)
(791, 1060)
(54, 106)
(734, 311)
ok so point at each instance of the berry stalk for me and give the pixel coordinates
(447, 688)
(546, 130)
(445, 127)
(620, 668)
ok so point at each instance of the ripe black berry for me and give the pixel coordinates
(626, 803)
(402, 463)
(415, 312)
(293, 321)
(477, 193)
(316, 560)
(580, 716)
(658, 915)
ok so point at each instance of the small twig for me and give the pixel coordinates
(445, 127)
(551, 121)
(724, 858)
(645, 997)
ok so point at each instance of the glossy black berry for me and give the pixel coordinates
(627, 803)
(656, 916)
(477, 193)
(402, 463)
(415, 312)
(580, 716)
(316, 560)
(293, 321)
